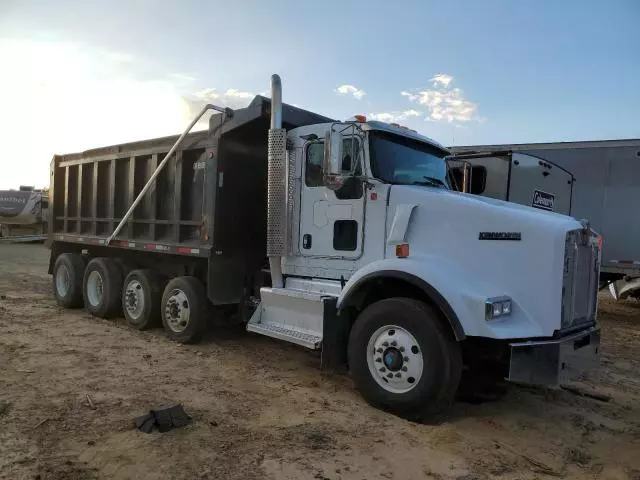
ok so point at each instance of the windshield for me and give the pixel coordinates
(401, 160)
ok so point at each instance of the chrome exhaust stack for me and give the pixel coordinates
(276, 186)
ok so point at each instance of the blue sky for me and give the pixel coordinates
(472, 72)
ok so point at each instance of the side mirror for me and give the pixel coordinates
(333, 176)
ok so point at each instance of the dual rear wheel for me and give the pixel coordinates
(143, 297)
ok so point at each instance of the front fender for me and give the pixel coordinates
(463, 292)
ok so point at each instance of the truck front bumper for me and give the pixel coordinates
(555, 361)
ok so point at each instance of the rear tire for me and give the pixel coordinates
(185, 309)
(403, 359)
(102, 288)
(67, 280)
(141, 299)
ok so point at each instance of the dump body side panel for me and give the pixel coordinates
(91, 192)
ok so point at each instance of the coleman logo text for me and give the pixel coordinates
(543, 200)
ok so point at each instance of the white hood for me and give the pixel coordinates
(446, 227)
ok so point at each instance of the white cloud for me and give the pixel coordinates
(412, 113)
(237, 94)
(98, 101)
(118, 57)
(410, 96)
(232, 98)
(182, 78)
(383, 117)
(394, 117)
(443, 102)
(347, 89)
(441, 79)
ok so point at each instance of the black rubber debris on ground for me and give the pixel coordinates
(164, 419)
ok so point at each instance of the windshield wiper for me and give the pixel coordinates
(431, 182)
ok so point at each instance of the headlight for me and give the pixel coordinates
(497, 307)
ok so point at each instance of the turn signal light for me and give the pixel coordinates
(402, 250)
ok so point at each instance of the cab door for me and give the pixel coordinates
(331, 222)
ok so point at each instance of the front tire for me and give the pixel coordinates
(403, 359)
(102, 287)
(67, 280)
(185, 309)
(141, 299)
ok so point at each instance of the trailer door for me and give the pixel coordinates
(540, 184)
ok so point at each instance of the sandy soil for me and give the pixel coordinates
(262, 409)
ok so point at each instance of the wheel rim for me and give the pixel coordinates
(63, 280)
(395, 359)
(95, 288)
(177, 311)
(134, 299)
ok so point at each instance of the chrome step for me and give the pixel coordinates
(288, 314)
(283, 333)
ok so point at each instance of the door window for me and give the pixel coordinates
(352, 189)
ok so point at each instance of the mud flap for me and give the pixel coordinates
(335, 336)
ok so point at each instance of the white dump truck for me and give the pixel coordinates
(339, 236)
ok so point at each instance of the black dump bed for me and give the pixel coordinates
(210, 196)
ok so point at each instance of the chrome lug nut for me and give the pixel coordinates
(389, 375)
(379, 360)
(382, 369)
(404, 369)
(406, 359)
(398, 375)
(394, 343)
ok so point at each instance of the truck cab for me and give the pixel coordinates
(380, 257)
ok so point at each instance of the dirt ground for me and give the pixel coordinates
(262, 409)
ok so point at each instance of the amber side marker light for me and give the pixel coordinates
(402, 250)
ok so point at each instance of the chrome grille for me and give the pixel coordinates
(580, 283)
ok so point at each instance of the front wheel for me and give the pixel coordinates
(403, 359)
